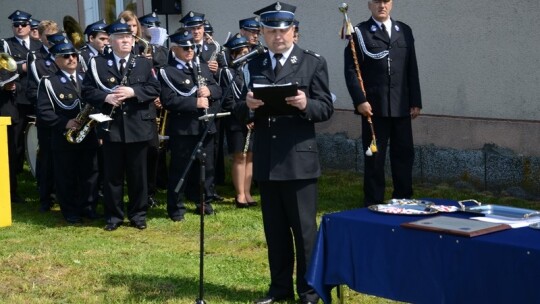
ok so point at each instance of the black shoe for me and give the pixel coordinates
(112, 226)
(270, 300)
(208, 210)
(217, 198)
(152, 202)
(240, 205)
(73, 220)
(177, 218)
(139, 225)
(252, 204)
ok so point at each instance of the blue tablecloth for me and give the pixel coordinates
(372, 254)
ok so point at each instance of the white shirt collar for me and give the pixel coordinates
(26, 40)
(68, 75)
(283, 59)
(93, 50)
(387, 24)
(117, 59)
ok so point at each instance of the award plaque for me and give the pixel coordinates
(456, 226)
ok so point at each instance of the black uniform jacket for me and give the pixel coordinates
(391, 83)
(56, 113)
(40, 63)
(20, 54)
(233, 90)
(285, 147)
(184, 114)
(134, 121)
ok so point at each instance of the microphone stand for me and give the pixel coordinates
(199, 154)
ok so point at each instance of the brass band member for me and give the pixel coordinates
(8, 75)
(250, 28)
(42, 63)
(18, 47)
(96, 40)
(239, 142)
(186, 90)
(75, 165)
(34, 33)
(123, 82)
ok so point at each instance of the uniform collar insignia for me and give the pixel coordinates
(294, 59)
(396, 27)
(48, 63)
(109, 62)
(80, 76)
(179, 66)
(63, 79)
(265, 62)
(373, 29)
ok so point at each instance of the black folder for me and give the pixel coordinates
(273, 97)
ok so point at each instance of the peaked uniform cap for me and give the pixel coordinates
(182, 37)
(278, 15)
(98, 26)
(150, 20)
(63, 48)
(118, 27)
(19, 16)
(192, 19)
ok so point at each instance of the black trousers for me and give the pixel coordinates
(398, 132)
(12, 152)
(24, 111)
(45, 166)
(181, 149)
(129, 160)
(76, 178)
(289, 210)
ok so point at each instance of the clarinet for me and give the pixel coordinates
(201, 82)
(123, 82)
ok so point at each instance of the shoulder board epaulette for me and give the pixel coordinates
(312, 53)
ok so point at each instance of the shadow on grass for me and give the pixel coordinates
(143, 288)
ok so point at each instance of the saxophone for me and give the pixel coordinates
(77, 136)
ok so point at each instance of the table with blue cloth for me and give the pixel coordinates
(371, 253)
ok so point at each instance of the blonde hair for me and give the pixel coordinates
(128, 16)
(46, 25)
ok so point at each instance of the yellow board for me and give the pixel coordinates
(5, 196)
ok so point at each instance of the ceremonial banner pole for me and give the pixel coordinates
(346, 33)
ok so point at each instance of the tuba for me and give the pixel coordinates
(73, 31)
(7, 63)
(77, 136)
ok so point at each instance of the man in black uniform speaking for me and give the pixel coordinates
(123, 82)
(285, 157)
(387, 60)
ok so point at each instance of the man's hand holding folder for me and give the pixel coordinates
(277, 99)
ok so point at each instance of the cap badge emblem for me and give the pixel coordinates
(278, 6)
(191, 14)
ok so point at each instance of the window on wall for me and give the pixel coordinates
(109, 10)
(112, 8)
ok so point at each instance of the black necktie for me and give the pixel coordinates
(24, 44)
(74, 82)
(278, 66)
(199, 47)
(121, 67)
(385, 33)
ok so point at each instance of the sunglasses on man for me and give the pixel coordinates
(20, 24)
(187, 48)
(66, 56)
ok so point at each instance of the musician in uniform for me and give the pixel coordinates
(34, 33)
(157, 157)
(122, 84)
(250, 28)
(18, 47)
(96, 41)
(285, 157)
(42, 63)
(59, 103)
(187, 89)
(9, 108)
(392, 97)
(239, 143)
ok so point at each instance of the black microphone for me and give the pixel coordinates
(259, 49)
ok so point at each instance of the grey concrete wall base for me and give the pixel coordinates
(491, 168)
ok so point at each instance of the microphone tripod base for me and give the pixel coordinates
(199, 301)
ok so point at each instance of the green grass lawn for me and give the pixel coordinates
(44, 260)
